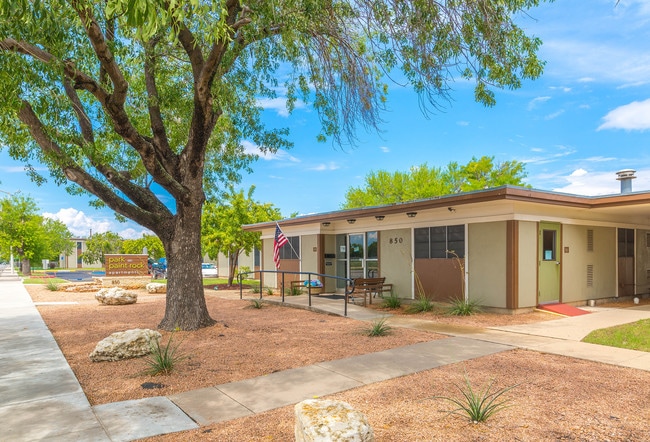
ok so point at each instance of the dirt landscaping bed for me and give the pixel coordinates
(557, 398)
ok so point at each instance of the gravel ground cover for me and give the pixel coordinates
(555, 398)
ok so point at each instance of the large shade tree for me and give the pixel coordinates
(141, 103)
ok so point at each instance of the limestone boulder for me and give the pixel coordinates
(320, 420)
(156, 287)
(125, 345)
(116, 296)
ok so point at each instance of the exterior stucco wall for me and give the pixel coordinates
(395, 260)
(267, 263)
(309, 254)
(642, 261)
(487, 263)
(576, 260)
(527, 265)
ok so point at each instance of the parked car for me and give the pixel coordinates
(159, 269)
(209, 270)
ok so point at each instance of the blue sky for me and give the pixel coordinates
(587, 117)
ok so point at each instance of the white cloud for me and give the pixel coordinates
(79, 223)
(462, 123)
(82, 225)
(582, 182)
(279, 105)
(323, 167)
(384, 149)
(532, 104)
(633, 116)
(282, 155)
(586, 80)
(554, 115)
(131, 233)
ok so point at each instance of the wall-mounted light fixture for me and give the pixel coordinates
(411, 214)
(351, 221)
(451, 209)
(379, 217)
(326, 224)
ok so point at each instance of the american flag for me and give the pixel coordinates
(278, 242)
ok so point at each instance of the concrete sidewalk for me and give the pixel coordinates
(41, 398)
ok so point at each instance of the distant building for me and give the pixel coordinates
(73, 260)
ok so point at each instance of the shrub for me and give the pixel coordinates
(462, 307)
(163, 360)
(52, 286)
(269, 291)
(478, 406)
(392, 302)
(255, 289)
(378, 328)
(423, 304)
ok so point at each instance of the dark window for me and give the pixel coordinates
(256, 257)
(548, 244)
(625, 243)
(438, 242)
(291, 249)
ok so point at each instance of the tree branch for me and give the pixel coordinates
(145, 206)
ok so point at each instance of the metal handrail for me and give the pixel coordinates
(349, 286)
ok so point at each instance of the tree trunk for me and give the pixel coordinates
(185, 304)
(233, 259)
(26, 267)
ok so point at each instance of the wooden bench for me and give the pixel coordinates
(300, 284)
(369, 287)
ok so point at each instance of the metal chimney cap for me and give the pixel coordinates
(626, 174)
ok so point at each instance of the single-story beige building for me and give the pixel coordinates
(509, 248)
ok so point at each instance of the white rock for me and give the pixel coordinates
(156, 287)
(125, 345)
(116, 296)
(330, 421)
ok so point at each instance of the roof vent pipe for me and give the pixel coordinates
(625, 177)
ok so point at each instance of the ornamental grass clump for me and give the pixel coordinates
(478, 406)
(53, 286)
(392, 302)
(463, 307)
(163, 359)
(378, 328)
(422, 304)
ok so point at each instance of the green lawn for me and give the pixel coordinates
(634, 336)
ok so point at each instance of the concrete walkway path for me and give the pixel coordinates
(40, 398)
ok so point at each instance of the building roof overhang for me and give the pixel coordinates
(632, 204)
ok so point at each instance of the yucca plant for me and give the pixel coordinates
(269, 291)
(463, 307)
(257, 303)
(378, 328)
(392, 302)
(478, 406)
(163, 359)
(422, 304)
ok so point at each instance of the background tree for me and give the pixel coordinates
(28, 235)
(140, 103)
(222, 226)
(101, 244)
(423, 182)
(58, 239)
(153, 244)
